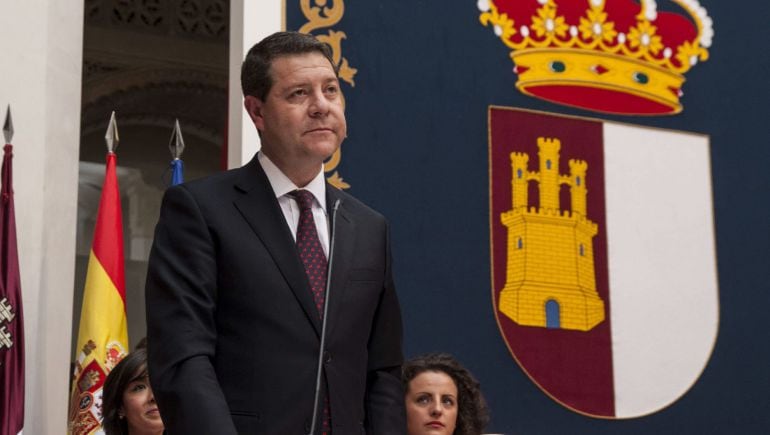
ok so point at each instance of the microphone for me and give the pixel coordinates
(319, 368)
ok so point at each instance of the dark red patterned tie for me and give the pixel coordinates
(309, 247)
(314, 260)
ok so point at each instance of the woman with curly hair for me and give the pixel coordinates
(442, 397)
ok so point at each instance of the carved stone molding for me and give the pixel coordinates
(197, 19)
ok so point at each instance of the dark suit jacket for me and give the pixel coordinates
(233, 333)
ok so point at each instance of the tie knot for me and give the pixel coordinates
(304, 199)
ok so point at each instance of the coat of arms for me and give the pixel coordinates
(603, 262)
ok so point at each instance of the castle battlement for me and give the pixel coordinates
(577, 165)
(564, 217)
(548, 178)
(549, 145)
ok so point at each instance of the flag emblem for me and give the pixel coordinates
(550, 250)
(6, 315)
(603, 263)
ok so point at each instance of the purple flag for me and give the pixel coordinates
(11, 319)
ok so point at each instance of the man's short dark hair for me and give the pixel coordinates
(255, 70)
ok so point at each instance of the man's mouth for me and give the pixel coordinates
(320, 130)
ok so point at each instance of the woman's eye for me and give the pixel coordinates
(423, 399)
(448, 401)
(138, 387)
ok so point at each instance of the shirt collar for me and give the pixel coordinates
(282, 185)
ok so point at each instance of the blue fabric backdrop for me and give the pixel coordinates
(417, 151)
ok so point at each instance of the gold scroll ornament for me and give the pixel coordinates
(320, 14)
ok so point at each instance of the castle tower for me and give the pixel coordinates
(578, 190)
(550, 274)
(519, 180)
(549, 172)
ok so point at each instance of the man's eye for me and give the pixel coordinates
(332, 90)
(299, 93)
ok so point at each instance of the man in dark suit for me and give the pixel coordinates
(237, 275)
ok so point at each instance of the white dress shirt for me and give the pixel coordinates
(283, 186)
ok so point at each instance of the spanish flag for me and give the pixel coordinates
(103, 336)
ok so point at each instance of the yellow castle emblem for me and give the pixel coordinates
(550, 278)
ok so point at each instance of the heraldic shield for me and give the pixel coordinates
(604, 277)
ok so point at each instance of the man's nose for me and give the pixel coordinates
(319, 104)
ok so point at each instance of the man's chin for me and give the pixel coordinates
(323, 150)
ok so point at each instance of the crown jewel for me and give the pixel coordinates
(614, 56)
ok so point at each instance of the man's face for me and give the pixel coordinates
(301, 121)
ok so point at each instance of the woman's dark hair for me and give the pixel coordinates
(129, 369)
(255, 70)
(472, 412)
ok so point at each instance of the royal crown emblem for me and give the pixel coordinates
(611, 56)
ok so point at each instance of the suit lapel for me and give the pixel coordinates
(343, 235)
(260, 208)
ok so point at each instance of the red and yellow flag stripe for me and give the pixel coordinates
(103, 335)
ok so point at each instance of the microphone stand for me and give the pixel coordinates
(319, 368)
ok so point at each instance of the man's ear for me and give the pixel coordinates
(253, 106)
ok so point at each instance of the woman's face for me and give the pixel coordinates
(431, 404)
(139, 408)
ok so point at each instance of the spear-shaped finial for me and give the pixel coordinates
(111, 137)
(176, 143)
(8, 125)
